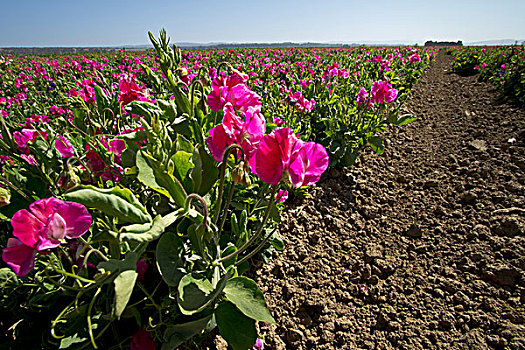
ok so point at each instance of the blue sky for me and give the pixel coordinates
(119, 22)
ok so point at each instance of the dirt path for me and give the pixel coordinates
(420, 248)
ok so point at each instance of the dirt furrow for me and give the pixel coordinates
(420, 248)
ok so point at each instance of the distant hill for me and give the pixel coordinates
(497, 42)
(227, 45)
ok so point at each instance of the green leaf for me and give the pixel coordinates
(124, 284)
(169, 108)
(170, 259)
(184, 145)
(154, 175)
(144, 109)
(101, 98)
(405, 119)
(150, 231)
(244, 293)
(276, 241)
(7, 276)
(183, 164)
(237, 329)
(116, 266)
(183, 104)
(180, 333)
(275, 215)
(146, 175)
(66, 342)
(205, 173)
(118, 202)
(377, 144)
(195, 294)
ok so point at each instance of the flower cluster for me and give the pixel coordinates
(277, 156)
(232, 89)
(381, 92)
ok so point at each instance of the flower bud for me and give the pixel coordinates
(5, 197)
(240, 175)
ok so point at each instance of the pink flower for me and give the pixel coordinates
(258, 345)
(142, 267)
(281, 196)
(27, 135)
(232, 89)
(234, 130)
(282, 155)
(101, 169)
(29, 158)
(278, 121)
(382, 92)
(414, 58)
(47, 223)
(142, 340)
(64, 147)
(129, 91)
(361, 96)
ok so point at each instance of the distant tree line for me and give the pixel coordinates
(443, 43)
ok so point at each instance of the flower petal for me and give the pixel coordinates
(76, 216)
(19, 257)
(26, 227)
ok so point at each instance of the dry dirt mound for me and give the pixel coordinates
(422, 247)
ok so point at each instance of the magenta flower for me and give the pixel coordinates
(130, 91)
(281, 155)
(234, 130)
(142, 340)
(281, 196)
(64, 147)
(27, 135)
(232, 89)
(382, 92)
(414, 58)
(258, 345)
(142, 267)
(48, 222)
(361, 96)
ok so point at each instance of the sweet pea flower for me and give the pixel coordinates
(130, 91)
(142, 340)
(281, 155)
(142, 267)
(414, 58)
(48, 222)
(258, 345)
(232, 89)
(64, 147)
(234, 130)
(361, 96)
(27, 135)
(281, 196)
(382, 92)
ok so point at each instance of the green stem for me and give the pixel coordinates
(65, 273)
(256, 250)
(90, 308)
(55, 321)
(228, 202)
(259, 229)
(227, 153)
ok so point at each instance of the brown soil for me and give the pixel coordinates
(420, 248)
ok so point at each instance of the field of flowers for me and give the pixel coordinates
(502, 66)
(136, 188)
